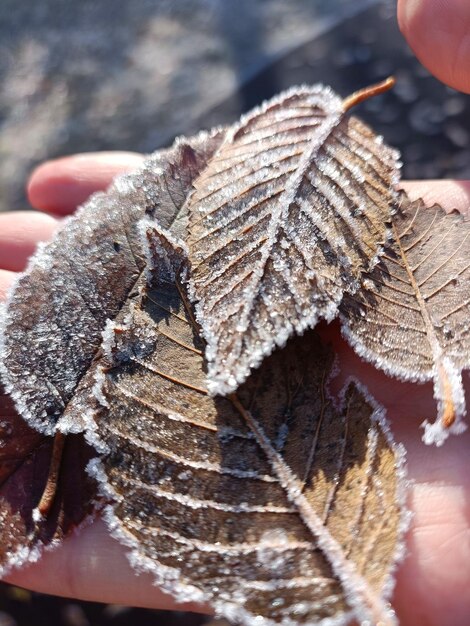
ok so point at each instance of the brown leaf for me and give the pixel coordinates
(52, 329)
(25, 458)
(272, 503)
(289, 212)
(412, 316)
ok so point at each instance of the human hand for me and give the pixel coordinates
(433, 581)
(438, 31)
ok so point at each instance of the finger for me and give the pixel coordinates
(6, 281)
(92, 566)
(20, 232)
(450, 194)
(59, 186)
(433, 581)
(438, 33)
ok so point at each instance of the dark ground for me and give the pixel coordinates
(84, 76)
(129, 74)
(19, 607)
(116, 74)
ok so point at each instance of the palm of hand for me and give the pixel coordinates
(433, 581)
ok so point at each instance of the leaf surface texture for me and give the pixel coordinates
(412, 316)
(290, 210)
(269, 503)
(52, 330)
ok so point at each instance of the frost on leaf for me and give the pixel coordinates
(58, 309)
(25, 460)
(289, 212)
(412, 316)
(271, 503)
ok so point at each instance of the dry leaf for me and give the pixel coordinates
(412, 316)
(25, 459)
(269, 503)
(289, 212)
(52, 329)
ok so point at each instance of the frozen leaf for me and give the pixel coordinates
(273, 505)
(289, 212)
(25, 464)
(412, 316)
(52, 330)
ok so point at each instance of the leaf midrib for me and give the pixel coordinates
(344, 569)
(430, 332)
(448, 414)
(280, 212)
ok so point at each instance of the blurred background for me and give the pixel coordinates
(132, 74)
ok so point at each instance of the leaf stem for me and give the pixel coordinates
(368, 92)
(50, 490)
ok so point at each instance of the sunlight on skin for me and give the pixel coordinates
(438, 32)
(93, 566)
(451, 194)
(60, 185)
(432, 582)
(6, 279)
(19, 236)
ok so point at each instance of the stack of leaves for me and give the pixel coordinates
(170, 324)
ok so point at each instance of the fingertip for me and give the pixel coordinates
(6, 281)
(60, 185)
(438, 32)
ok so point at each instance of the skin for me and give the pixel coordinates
(438, 31)
(433, 581)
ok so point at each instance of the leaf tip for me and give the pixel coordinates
(437, 432)
(448, 390)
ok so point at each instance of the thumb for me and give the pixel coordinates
(438, 31)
